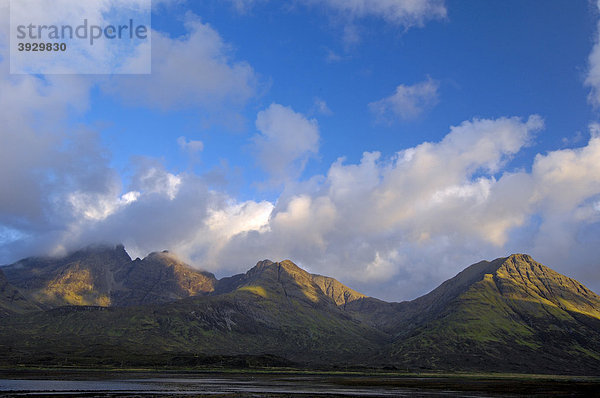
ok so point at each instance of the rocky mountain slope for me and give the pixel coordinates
(158, 278)
(510, 314)
(105, 276)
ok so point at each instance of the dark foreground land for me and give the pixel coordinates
(284, 383)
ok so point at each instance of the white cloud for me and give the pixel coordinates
(47, 167)
(382, 267)
(348, 13)
(416, 218)
(566, 176)
(408, 102)
(190, 71)
(235, 219)
(152, 178)
(566, 194)
(286, 140)
(42, 158)
(244, 6)
(98, 207)
(332, 57)
(320, 106)
(406, 13)
(191, 146)
(391, 227)
(400, 12)
(593, 77)
(157, 4)
(437, 207)
(167, 211)
(240, 218)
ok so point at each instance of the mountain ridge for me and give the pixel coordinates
(509, 314)
(159, 277)
(106, 275)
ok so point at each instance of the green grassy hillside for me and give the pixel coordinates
(275, 310)
(518, 315)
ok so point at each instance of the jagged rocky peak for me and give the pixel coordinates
(523, 263)
(288, 269)
(521, 277)
(165, 256)
(288, 278)
(281, 271)
(163, 253)
(161, 277)
(105, 275)
(525, 271)
(264, 270)
(261, 266)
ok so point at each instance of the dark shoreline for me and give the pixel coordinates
(423, 384)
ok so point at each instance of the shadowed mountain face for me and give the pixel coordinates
(510, 314)
(158, 278)
(11, 300)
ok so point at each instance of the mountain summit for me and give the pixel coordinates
(287, 278)
(511, 314)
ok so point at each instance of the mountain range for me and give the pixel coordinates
(97, 306)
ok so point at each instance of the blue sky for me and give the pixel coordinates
(489, 59)
(388, 143)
